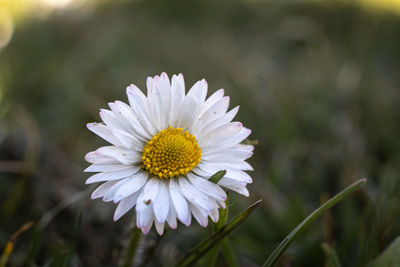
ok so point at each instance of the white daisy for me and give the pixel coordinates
(164, 147)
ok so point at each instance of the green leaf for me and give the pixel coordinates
(390, 257)
(281, 248)
(217, 176)
(331, 258)
(203, 247)
(133, 243)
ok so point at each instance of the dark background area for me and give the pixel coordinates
(318, 84)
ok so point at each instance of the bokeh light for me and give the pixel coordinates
(57, 3)
(6, 28)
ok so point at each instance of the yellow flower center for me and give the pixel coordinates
(171, 152)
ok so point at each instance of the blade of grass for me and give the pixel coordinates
(203, 247)
(280, 249)
(11, 243)
(217, 176)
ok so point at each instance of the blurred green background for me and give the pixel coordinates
(317, 82)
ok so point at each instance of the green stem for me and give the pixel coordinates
(223, 217)
(228, 253)
(331, 258)
(134, 240)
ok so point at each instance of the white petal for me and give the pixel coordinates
(215, 111)
(214, 215)
(177, 97)
(222, 120)
(166, 95)
(238, 148)
(148, 194)
(128, 140)
(112, 175)
(133, 184)
(123, 155)
(130, 120)
(238, 175)
(189, 112)
(162, 88)
(102, 189)
(227, 155)
(144, 218)
(180, 203)
(207, 187)
(139, 104)
(198, 91)
(245, 147)
(154, 100)
(105, 167)
(125, 205)
(200, 215)
(221, 134)
(234, 185)
(132, 91)
(147, 227)
(159, 227)
(161, 202)
(171, 219)
(104, 132)
(230, 142)
(192, 104)
(221, 204)
(193, 195)
(243, 165)
(235, 174)
(109, 195)
(110, 119)
(217, 95)
(96, 158)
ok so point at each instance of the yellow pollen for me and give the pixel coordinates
(171, 152)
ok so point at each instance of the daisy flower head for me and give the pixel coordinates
(163, 149)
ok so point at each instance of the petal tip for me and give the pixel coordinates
(186, 222)
(145, 230)
(129, 89)
(116, 217)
